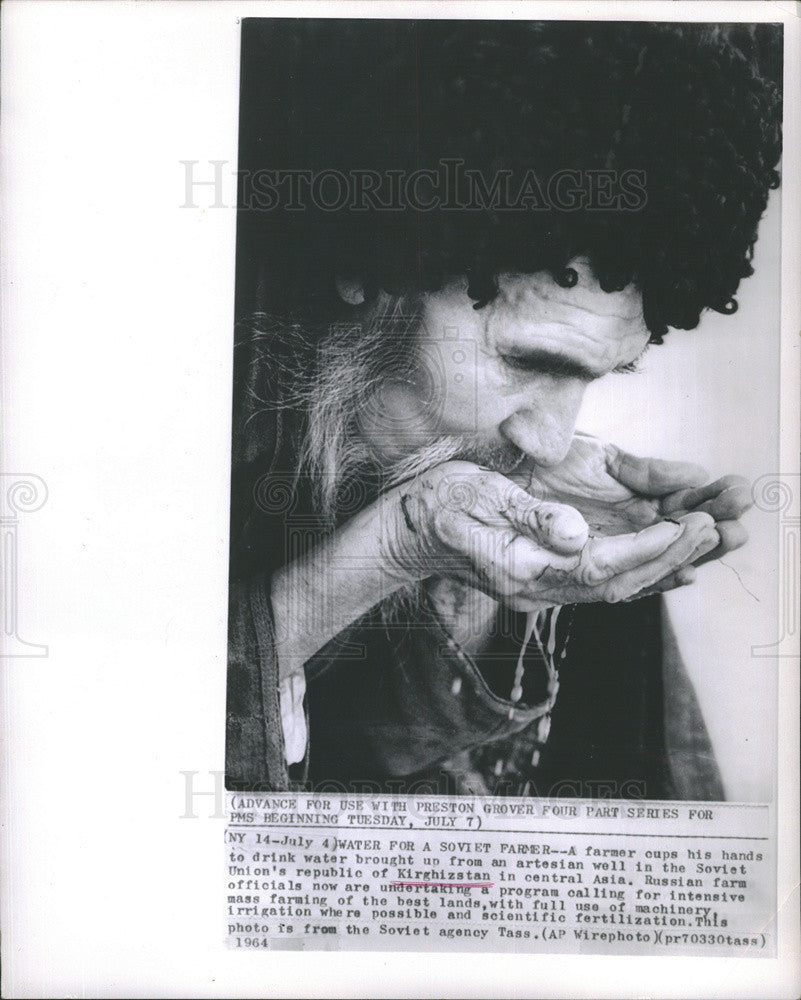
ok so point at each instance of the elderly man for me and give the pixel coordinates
(437, 583)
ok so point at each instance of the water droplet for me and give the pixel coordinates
(543, 728)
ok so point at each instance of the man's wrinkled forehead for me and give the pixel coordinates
(532, 311)
(545, 298)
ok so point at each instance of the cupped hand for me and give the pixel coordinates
(618, 493)
(485, 531)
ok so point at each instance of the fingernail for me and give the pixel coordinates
(570, 528)
(571, 524)
(698, 520)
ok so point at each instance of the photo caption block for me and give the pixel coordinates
(578, 876)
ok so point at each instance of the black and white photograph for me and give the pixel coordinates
(443, 579)
(400, 499)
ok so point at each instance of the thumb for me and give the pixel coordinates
(555, 525)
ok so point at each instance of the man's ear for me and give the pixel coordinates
(351, 290)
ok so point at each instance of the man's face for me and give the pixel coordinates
(509, 379)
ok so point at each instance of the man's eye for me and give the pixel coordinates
(519, 363)
(630, 369)
(553, 366)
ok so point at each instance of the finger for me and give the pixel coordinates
(500, 559)
(652, 476)
(732, 492)
(732, 536)
(698, 538)
(557, 526)
(618, 553)
(639, 582)
(730, 505)
(681, 578)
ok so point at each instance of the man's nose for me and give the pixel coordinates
(545, 429)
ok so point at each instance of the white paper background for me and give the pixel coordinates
(116, 313)
(711, 395)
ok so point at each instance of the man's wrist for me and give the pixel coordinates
(362, 562)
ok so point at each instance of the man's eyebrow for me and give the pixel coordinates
(550, 363)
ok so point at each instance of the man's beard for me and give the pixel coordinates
(355, 474)
(345, 472)
(502, 456)
(352, 368)
(328, 377)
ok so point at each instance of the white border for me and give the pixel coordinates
(99, 102)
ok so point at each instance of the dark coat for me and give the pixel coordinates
(401, 708)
